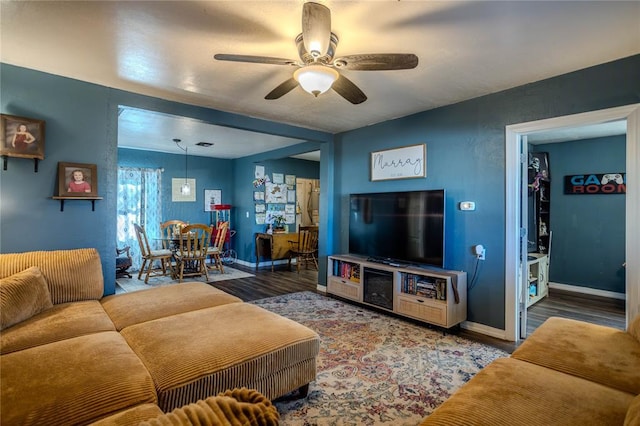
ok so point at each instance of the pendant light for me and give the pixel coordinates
(185, 189)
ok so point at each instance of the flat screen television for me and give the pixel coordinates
(398, 227)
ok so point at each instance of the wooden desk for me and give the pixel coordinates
(275, 246)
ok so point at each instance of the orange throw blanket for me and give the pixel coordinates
(232, 408)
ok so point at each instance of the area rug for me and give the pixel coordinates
(375, 369)
(134, 284)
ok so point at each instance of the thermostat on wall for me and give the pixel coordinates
(467, 205)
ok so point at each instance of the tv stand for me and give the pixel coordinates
(434, 296)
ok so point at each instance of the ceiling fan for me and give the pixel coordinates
(317, 68)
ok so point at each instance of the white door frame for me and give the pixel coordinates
(630, 113)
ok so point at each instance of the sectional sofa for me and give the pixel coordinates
(71, 356)
(565, 373)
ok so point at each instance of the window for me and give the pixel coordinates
(139, 201)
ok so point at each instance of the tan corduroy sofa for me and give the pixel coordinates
(565, 373)
(71, 356)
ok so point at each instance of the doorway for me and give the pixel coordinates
(515, 231)
(565, 227)
(308, 201)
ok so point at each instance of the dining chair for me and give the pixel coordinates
(123, 263)
(170, 229)
(306, 248)
(217, 248)
(192, 251)
(149, 256)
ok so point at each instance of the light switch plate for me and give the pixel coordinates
(467, 205)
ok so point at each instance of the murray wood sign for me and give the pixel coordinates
(605, 183)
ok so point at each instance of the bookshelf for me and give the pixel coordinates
(538, 277)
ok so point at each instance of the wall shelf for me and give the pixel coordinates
(5, 158)
(92, 199)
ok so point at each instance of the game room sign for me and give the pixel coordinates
(606, 183)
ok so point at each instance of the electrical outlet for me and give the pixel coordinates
(482, 254)
(480, 251)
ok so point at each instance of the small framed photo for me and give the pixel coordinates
(77, 180)
(21, 137)
(212, 197)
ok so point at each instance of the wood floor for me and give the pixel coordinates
(593, 309)
(583, 307)
(268, 284)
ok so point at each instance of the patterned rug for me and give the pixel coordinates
(375, 369)
(134, 284)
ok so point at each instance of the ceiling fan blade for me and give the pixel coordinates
(255, 59)
(377, 62)
(348, 90)
(316, 28)
(282, 89)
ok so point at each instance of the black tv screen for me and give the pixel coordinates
(398, 227)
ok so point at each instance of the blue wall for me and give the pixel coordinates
(244, 172)
(81, 126)
(465, 156)
(588, 230)
(209, 173)
(78, 130)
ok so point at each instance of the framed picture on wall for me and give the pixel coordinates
(77, 180)
(177, 195)
(21, 137)
(399, 163)
(212, 197)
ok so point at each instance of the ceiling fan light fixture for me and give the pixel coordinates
(316, 79)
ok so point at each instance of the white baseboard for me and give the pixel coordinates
(264, 263)
(321, 288)
(245, 263)
(587, 290)
(485, 329)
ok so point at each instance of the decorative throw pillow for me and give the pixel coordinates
(22, 296)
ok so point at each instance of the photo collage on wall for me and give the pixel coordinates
(274, 198)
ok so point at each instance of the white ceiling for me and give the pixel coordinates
(165, 49)
(154, 131)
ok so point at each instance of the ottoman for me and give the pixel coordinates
(158, 302)
(198, 354)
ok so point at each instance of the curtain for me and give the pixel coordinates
(139, 201)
